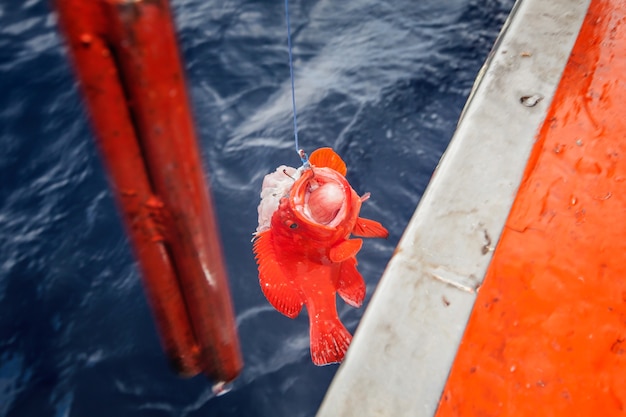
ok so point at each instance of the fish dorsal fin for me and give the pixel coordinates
(345, 250)
(369, 228)
(277, 288)
(350, 285)
(326, 157)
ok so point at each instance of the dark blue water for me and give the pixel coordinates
(381, 82)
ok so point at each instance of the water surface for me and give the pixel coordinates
(381, 82)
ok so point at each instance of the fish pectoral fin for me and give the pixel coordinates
(326, 157)
(369, 228)
(350, 285)
(276, 286)
(345, 250)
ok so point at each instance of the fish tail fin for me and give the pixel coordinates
(329, 341)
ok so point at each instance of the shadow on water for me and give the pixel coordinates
(383, 83)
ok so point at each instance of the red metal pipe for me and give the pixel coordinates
(126, 56)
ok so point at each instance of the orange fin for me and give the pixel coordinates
(345, 250)
(351, 286)
(329, 341)
(369, 228)
(326, 157)
(276, 287)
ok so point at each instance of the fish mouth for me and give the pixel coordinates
(321, 196)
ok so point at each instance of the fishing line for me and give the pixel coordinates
(303, 156)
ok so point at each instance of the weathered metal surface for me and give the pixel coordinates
(548, 331)
(405, 345)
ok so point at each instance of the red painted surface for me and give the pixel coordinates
(548, 332)
(126, 57)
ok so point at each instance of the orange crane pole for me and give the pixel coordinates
(126, 57)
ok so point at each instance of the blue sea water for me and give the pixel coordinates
(381, 82)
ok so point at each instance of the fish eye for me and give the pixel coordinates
(291, 224)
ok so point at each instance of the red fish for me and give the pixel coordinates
(305, 254)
